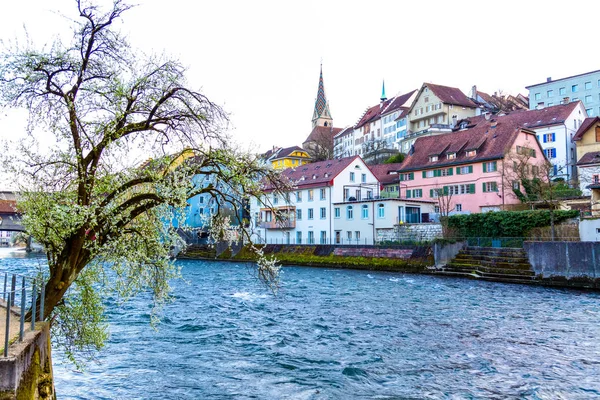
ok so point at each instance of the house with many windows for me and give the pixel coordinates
(583, 87)
(436, 110)
(289, 157)
(467, 169)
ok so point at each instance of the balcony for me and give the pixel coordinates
(279, 218)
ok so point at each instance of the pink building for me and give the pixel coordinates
(470, 166)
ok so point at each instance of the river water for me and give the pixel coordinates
(335, 334)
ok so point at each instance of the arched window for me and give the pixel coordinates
(381, 210)
(365, 211)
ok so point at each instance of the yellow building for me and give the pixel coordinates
(587, 140)
(289, 157)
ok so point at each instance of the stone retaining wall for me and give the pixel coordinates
(373, 252)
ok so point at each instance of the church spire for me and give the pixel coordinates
(383, 96)
(321, 115)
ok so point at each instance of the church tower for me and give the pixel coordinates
(321, 115)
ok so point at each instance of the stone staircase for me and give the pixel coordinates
(490, 263)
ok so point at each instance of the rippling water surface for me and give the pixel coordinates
(333, 334)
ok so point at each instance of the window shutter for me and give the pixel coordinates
(408, 193)
(450, 171)
(553, 137)
(494, 187)
(484, 167)
(424, 174)
(457, 170)
(411, 176)
(545, 139)
(472, 188)
(495, 166)
(470, 169)
(436, 172)
(431, 193)
(401, 177)
(483, 187)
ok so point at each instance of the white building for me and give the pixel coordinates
(304, 216)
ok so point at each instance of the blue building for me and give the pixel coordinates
(584, 87)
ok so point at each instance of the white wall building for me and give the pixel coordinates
(305, 215)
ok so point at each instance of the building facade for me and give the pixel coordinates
(583, 87)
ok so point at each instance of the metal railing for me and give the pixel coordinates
(15, 301)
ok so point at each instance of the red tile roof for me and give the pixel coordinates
(344, 131)
(8, 206)
(590, 158)
(554, 115)
(317, 174)
(450, 95)
(490, 142)
(586, 124)
(320, 132)
(388, 106)
(386, 173)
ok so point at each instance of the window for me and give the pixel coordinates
(311, 213)
(490, 166)
(451, 156)
(407, 176)
(590, 112)
(436, 209)
(588, 99)
(549, 137)
(380, 210)
(550, 153)
(275, 199)
(459, 207)
(349, 212)
(597, 133)
(363, 178)
(535, 170)
(310, 195)
(323, 237)
(351, 176)
(538, 96)
(415, 193)
(336, 212)
(550, 93)
(433, 158)
(311, 237)
(349, 235)
(323, 213)
(464, 170)
(365, 212)
(357, 235)
(298, 237)
(526, 151)
(516, 185)
(299, 214)
(470, 153)
(490, 187)
(574, 88)
(562, 91)
(596, 179)
(322, 194)
(588, 85)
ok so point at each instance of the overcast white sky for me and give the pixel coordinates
(260, 59)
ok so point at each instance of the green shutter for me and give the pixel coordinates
(411, 176)
(431, 193)
(484, 167)
(494, 187)
(401, 177)
(445, 190)
(424, 174)
(470, 169)
(495, 166)
(450, 171)
(408, 193)
(483, 187)
(471, 188)
(436, 173)
(457, 170)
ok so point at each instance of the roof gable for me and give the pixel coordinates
(585, 126)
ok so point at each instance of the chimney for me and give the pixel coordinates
(454, 120)
(474, 92)
(493, 124)
(549, 79)
(487, 115)
(565, 100)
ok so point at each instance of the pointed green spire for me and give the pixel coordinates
(383, 96)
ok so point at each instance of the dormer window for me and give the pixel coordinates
(433, 158)
(451, 156)
(470, 153)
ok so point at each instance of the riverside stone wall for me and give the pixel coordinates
(568, 260)
(27, 372)
(413, 232)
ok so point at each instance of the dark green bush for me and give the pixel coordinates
(505, 223)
